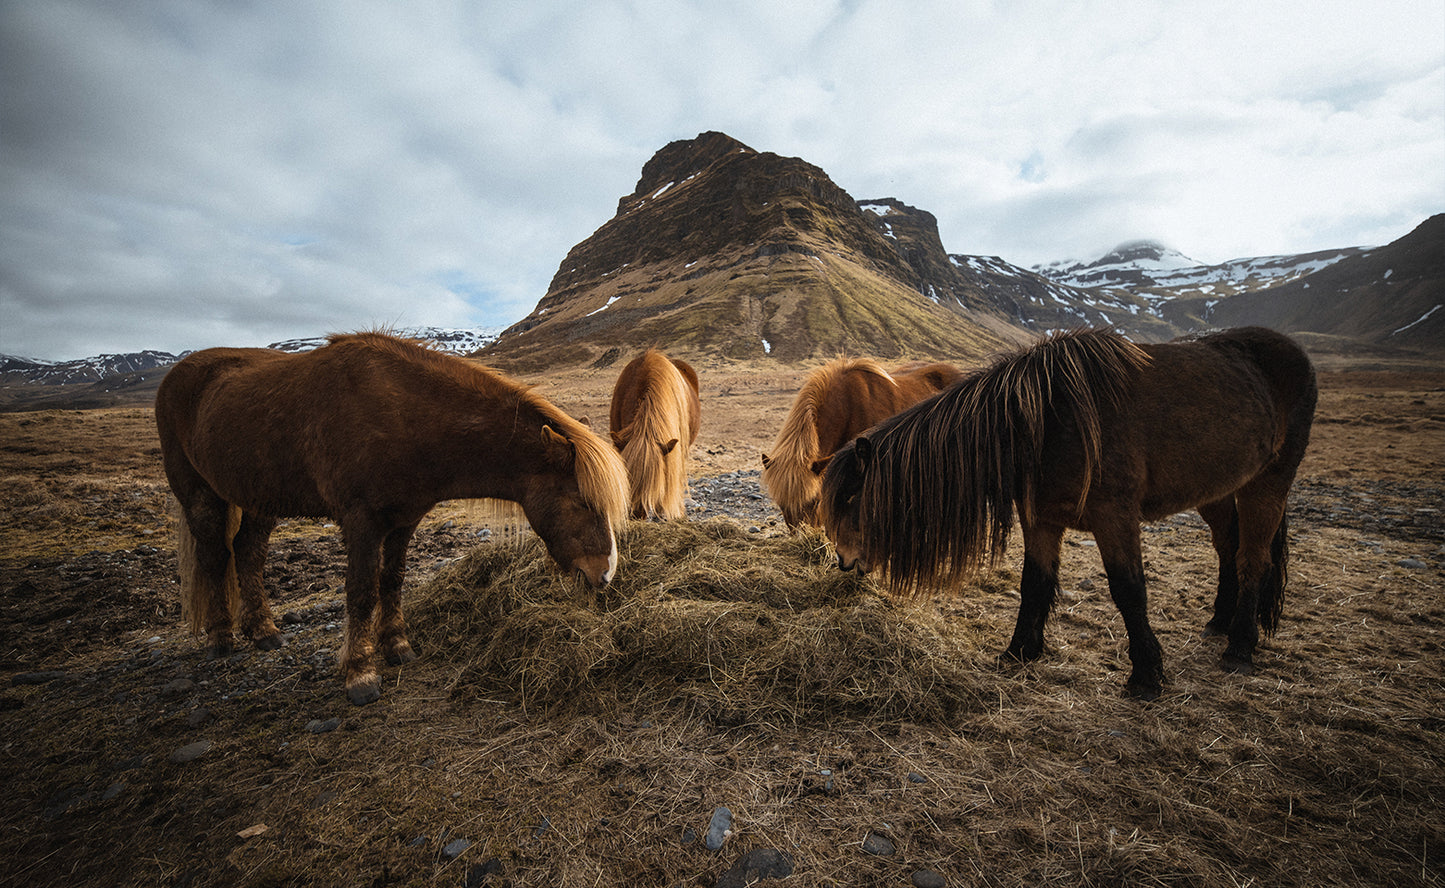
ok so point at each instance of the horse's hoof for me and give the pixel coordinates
(1237, 665)
(363, 692)
(270, 642)
(220, 651)
(1143, 691)
(1212, 631)
(401, 653)
(1015, 656)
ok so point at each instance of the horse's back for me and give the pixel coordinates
(1208, 414)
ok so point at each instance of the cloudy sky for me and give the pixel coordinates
(181, 174)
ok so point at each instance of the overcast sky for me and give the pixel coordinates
(176, 175)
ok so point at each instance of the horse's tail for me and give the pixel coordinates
(195, 590)
(1271, 592)
(657, 442)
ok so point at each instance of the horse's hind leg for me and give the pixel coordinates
(1223, 521)
(208, 579)
(1261, 513)
(1124, 564)
(363, 565)
(1037, 590)
(250, 545)
(391, 630)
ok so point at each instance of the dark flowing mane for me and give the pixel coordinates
(945, 475)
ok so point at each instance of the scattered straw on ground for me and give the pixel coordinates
(701, 614)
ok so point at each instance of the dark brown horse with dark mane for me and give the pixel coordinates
(837, 402)
(654, 419)
(371, 431)
(1087, 430)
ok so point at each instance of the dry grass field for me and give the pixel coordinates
(547, 737)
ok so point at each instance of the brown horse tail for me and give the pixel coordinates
(195, 596)
(1271, 592)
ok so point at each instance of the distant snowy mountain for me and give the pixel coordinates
(31, 370)
(18, 370)
(457, 342)
(1143, 266)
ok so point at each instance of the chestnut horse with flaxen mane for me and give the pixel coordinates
(654, 419)
(1087, 430)
(371, 431)
(837, 402)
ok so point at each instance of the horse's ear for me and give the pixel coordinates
(585, 421)
(667, 448)
(767, 461)
(820, 466)
(863, 448)
(618, 440)
(557, 445)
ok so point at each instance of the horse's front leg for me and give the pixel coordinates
(250, 545)
(1037, 591)
(1124, 565)
(391, 631)
(363, 566)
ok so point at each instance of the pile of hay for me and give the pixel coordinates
(700, 615)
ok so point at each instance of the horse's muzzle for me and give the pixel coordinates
(846, 564)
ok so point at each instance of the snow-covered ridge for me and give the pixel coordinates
(14, 369)
(458, 342)
(1143, 264)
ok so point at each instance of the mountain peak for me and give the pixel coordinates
(681, 160)
(1145, 254)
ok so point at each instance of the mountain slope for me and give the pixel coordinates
(1393, 295)
(725, 251)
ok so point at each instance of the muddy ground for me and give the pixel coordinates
(129, 759)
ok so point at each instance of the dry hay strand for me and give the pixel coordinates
(701, 616)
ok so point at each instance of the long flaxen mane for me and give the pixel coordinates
(601, 476)
(944, 476)
(658, 480)
(788, 469)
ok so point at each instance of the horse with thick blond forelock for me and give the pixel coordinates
(837, 402)
(654, 420)
(371, 431)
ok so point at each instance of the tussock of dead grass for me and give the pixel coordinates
(701, 615)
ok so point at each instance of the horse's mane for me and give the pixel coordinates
(601, 476)
(662, 414)
(788, 474)
(938, 496)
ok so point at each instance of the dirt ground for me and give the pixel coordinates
(129, 759)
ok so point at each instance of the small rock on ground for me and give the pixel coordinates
(760, 863)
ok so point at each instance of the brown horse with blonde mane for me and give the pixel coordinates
(836, 403)
(1087, 430)
(371, 431)
(654, 420)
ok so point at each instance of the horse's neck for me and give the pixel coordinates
(496, 451)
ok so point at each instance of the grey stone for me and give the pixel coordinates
(928, 879)
(717, 829)
(191, 751)
(317, 726)
(877, 845)
(758, 864)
